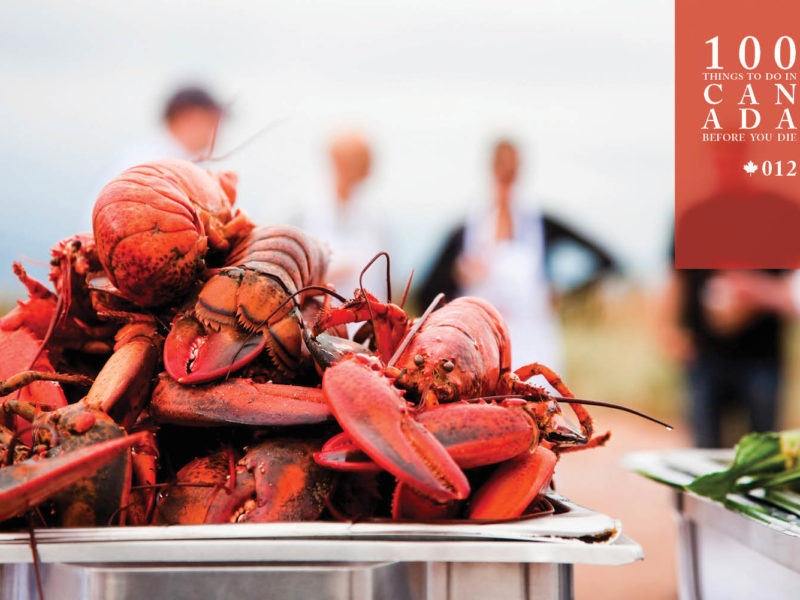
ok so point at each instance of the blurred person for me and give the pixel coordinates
(347, 221)
(731, 346)
(499, 254)
(727, 326)
(191, 118)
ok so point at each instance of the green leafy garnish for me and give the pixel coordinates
(762, 461)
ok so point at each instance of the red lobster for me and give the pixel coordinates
(34, 335)
(154, 224)
(81, 446)
(460, 352)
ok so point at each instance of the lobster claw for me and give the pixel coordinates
(289, 485)
(474, 435)
(194, 355)
(514, 485)
(377, 418)
(276, 480)
(410, 505)
(31, 482)
(237, 402)
(341, 453)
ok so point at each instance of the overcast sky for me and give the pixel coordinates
(586, 86)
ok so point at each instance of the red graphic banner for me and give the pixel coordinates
(737, 156)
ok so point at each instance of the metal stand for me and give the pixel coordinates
(371, 581)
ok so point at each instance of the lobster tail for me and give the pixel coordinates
(171, 209)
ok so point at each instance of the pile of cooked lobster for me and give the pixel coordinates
(190, 367)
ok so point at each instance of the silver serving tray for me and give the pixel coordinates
(724, 553)
(579, 535)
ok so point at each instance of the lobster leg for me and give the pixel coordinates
(389, 321)
(375, 415)
(144, 463)
(31, 482)
(237, 401)
(528, 371)
(123, 384)
(514, 485)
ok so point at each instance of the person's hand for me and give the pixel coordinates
(763, 292)
(677, 344)
(731, 298)
(470, 270)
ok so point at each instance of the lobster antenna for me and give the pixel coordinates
(213, 143)
(413, 331)
(59, 314)
(36, 262)
(563, 400)
(244, 144)
(35, 554)
(210, 151)
(15, 441)
(388, 274)
(308, 288)
(627, 409)
(405, 291)
(388, 285)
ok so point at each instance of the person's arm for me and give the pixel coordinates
(555, 230)
(675, 338)
(732, 299)
(760, 292)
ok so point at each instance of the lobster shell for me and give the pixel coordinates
(154, 223)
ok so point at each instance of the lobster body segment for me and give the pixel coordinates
(461, 352)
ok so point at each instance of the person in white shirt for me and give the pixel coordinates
(191, 119)
(347, 222)
(499, 255)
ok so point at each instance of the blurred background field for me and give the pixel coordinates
(613, 352)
